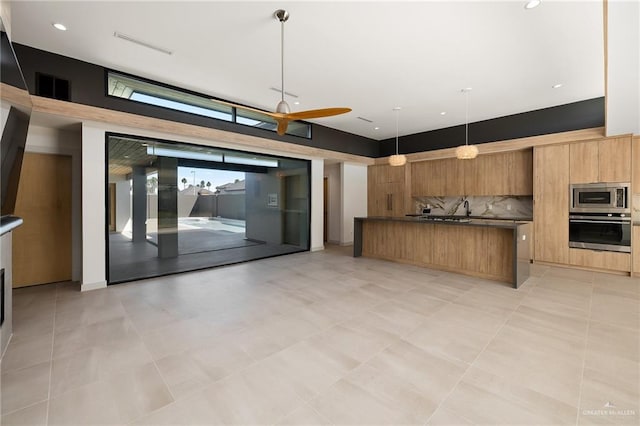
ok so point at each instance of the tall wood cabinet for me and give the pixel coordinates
(551, 203)
(607, 160)
(385, 190)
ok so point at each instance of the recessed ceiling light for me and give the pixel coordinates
(443, 113)
(296, 103)
(556, 86)
(376, 128)
(530, 4)
(59, 26)
(126, 156)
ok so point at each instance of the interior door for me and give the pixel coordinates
(42, 245)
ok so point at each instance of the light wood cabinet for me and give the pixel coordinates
(519, 172)
(607, 160)
(479, 251)
(385, 190)
(583, 162)
(615, 159)
(508, 173)
(608, 260)
(551, 203)
(635, 164)
(635, 249)
(447, 246)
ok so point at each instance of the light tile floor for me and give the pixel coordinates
(323, 338)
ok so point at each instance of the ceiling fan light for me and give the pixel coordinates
(283, 107)
(466, 152)
(397, 160)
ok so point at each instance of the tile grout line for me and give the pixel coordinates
(155, 365)
(53, 339)
(584, 357)
(472, 362)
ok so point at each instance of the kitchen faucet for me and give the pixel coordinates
(466, 208)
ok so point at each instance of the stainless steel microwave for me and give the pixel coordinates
(599, 198)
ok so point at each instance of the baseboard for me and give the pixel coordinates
(346, 243)
(93, 286)
(319, 248)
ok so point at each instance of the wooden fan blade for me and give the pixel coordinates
(283, 123)
(316, 113)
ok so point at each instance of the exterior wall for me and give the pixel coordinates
(263, 223)
(354, 198)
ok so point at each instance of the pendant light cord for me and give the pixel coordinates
(397, 119)
(282, 59)
(466, 126)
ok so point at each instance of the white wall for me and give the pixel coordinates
(317, 204)
(93, 208)
(354, 198)
(334, 204)
(623, 79)
(44, 140)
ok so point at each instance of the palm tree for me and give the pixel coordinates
(208, 185)
(184, 183)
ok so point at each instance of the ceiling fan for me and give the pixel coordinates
(283, 114)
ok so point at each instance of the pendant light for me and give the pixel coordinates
(397, 159)
(466, 151)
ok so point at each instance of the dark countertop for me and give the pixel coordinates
(8, 223)
(491, 223)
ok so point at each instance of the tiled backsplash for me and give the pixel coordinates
(496, 206)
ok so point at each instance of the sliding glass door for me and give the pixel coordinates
(178, 207)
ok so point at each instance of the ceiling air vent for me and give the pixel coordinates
(365, 119)
(142, 43)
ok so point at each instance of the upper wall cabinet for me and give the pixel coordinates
(507, 173)
(607, 160)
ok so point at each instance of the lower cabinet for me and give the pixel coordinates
(485, 252)
(607, 260)
(635, 249)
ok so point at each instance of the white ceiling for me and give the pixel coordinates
(370, 56)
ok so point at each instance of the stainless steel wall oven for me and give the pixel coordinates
(599, 217)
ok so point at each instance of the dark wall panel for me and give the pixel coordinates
(87, 83)
(88, 87)
(575, 116)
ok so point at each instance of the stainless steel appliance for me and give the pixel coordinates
(598, 231)
(599, 198)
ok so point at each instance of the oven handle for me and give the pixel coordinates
(612, 222)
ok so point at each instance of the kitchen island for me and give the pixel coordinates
(491, 249)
